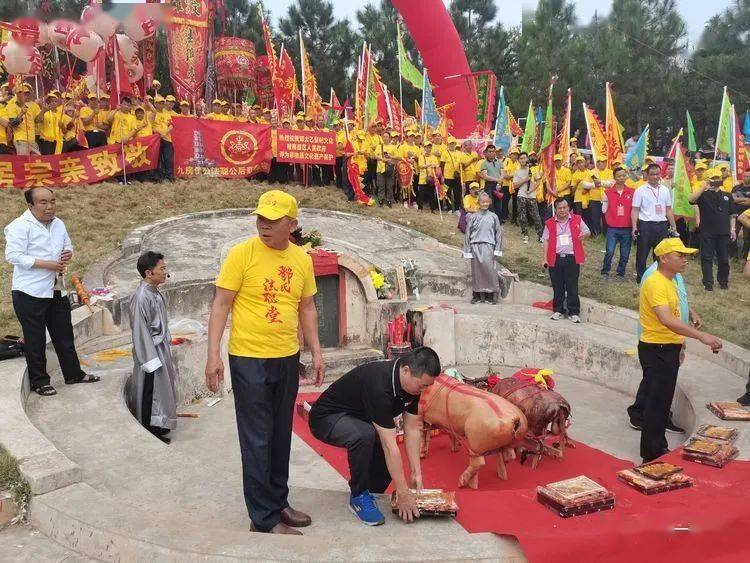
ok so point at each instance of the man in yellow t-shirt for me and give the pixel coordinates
(510, 199)
(22, 114)
(95, 137)
(662, 341)
(450, 159)
(580, 175)
(563, 177)
(163, 126)
(123, 126)
(600, 178)
(268, 284)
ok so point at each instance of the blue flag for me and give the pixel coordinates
(539, 116)
(636, 156)
(430, 115)
(503, 136)
(746, 127)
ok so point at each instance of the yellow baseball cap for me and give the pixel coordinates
(184, 103)
(514, 150)
(714, 173)
(672, 245)
(573, 140)
(474, 186)
(701, 166)
(158, 99)
(602, 158)
(557, 158)
(579, 158)
(276, 204)
(170, 98)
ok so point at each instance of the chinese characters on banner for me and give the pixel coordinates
(227, 149)
(306, 147)
(80, 167)
(484, 83)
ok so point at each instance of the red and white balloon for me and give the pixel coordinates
(20, 59)
(58, 32)
(139, 25)
(128, 49)
(27, 31)
(135, 72)
(84, 44)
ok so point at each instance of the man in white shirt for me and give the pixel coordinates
(38, 246)
(651, 216)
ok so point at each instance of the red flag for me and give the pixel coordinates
(285, 86)
(271, 54)
(119, 86)
(352, 172)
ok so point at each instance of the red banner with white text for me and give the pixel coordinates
(227, 149)
(79, 167)
(306, 147)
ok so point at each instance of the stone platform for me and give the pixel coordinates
(107, 490)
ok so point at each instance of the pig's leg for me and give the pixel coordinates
(425, 446)
(454, 442)
(470, 476)
(502, 470)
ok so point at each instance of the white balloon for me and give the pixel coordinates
(135, 72)
(20, 59)
(58, 32)
(84, 44)
(44, 38)
(128, 49)
(98, 21)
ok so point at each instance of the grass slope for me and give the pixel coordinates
(99, 216)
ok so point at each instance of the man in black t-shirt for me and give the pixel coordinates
(718, 214)
(357, 413)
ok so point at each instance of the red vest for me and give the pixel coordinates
(575, 232)
(614, 200)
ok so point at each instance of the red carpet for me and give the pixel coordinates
(716, 511)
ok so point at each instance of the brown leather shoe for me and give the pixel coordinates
(279, 528)
(295, 518)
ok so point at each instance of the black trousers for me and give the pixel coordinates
(650, 233)
(714, 246)
(339, 168)
(53, 314)
(496, 202)
(454, 193)
(264, 393)
(564, 277)
(47, 147)
(166, 160)
(595, 212)
(505, 204)
(660, 363)
(370, 176)
(96, 139)
(147, 400)
(367, 466)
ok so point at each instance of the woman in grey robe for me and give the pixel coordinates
(483, 241)
(151, 389)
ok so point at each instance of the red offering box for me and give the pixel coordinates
(724, 455)
(576, 496)
(721, 434)
(649, 486)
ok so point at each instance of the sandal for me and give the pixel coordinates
(45, 390)
(87, 378)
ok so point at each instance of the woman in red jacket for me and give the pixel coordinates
(563, 255)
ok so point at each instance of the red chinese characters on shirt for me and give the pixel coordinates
(271, 290)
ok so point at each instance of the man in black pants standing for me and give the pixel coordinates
(38, 246)
(718, 216)
(652, 216)
(357, 413)
(268, 284)
(661, 347)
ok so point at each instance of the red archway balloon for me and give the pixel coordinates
(444, 56)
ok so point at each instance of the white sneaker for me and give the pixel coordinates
(575, 318)
(556, 316)
(526, 240)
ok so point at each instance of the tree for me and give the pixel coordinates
(329, 43)
(377, 26)
(488, 45)
(544, 50)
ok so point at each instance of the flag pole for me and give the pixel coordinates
(400, 82)
(366, 116)
(424, 90)
(302, 73)
(721, 120)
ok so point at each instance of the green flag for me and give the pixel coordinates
(371, 103)
(681, 186)
(529, 134)
(724, 136)
(250, 98)
(691, 146)
(408, 71)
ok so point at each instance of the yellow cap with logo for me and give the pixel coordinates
(276, 204)
(673, 244)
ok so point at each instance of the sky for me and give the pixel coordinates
(695, 12)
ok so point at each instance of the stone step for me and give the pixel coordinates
(338, 361)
